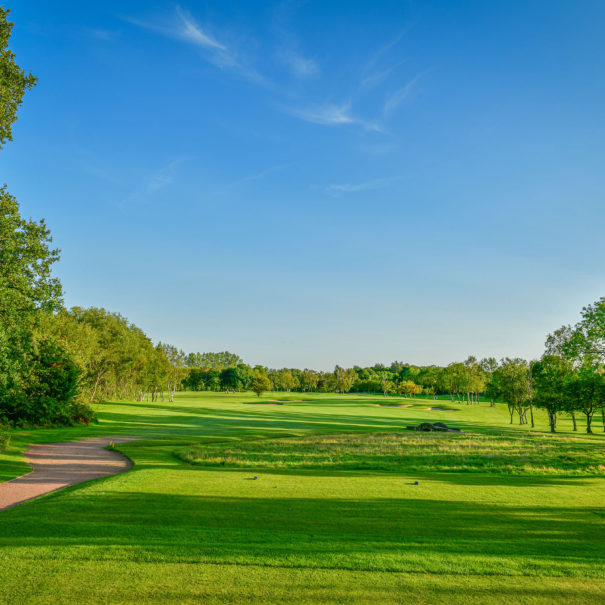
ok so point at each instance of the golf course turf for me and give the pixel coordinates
(500, 514)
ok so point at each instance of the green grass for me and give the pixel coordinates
(410, 452)
(313, 528)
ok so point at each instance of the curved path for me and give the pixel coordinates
(57, 465)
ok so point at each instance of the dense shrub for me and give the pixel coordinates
(80, 413)
(48, 390)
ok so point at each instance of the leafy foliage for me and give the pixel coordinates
(117, 360)
(260, 383)
(213, 361)
(48, 390)
(14, 82)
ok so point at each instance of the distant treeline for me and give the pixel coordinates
(569, 378)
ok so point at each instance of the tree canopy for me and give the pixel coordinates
(14, 82)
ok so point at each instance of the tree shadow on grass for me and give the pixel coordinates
(389, 534)
(182, 419)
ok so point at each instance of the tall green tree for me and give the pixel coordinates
(513, 386)
(583, 345)
(489, 365)
(260, 383)
(26, 288)
(178, 368)
(14, 82)
(585, 390)
(549, 379)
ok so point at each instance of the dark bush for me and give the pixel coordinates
(82, 414)
(49, 388)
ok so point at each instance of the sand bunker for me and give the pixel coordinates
(394, 405)
(57, 465)
(442, 409)
(287, 400)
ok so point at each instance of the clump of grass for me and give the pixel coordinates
(4, 436)
(407, 452)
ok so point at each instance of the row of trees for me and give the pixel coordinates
(463, 381)
(569, 378)
(116, 360)
(53, 362)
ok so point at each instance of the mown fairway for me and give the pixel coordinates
(508, 516)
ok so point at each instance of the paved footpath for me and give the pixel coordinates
(57, 465)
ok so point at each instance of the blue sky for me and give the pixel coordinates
(312, 183)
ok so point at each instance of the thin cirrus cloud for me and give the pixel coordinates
(340, 188)
(326, 115)
(375, 79)
(185, 28)
(226, 56)
(298, 65)
(332, 115)
(192, 32)
(153, 183)
(383, 51)
(395, 99)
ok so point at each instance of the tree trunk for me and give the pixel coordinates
(531, 413)
(588, 422)
(573, 417)
(94, 390)
(603, 417)
(551, 421)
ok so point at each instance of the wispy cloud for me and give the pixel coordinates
(327, 115)
(375, 79)
(225, 52)
(185, 28)
(340, 188)
(383, 50)
(395, 99)
(288, 51)
(236, 184)
(300, 66)
(102, 34)
(264, 173)
(332, 115)
(193, 33)
(154, 183)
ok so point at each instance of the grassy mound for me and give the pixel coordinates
(406, 452)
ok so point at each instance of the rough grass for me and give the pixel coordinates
(4, 439)
(410, 452)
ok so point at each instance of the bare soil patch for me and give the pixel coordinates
(57, 465)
